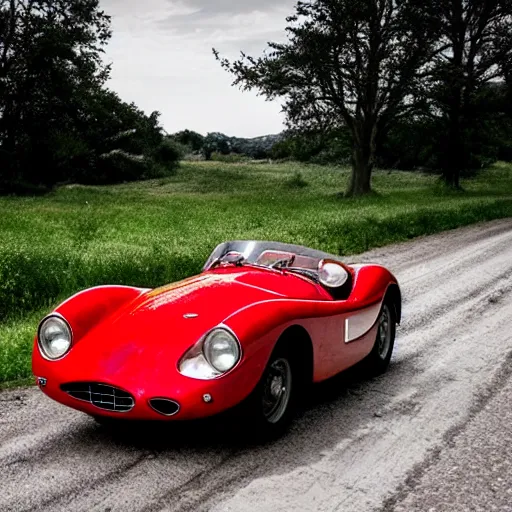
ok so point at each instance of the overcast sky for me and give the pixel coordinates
(162, 60)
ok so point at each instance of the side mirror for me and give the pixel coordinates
(332, 274)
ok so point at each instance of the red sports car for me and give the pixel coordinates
(262, 321)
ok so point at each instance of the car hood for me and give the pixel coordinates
(162, 324)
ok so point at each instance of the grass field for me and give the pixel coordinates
(150, 233)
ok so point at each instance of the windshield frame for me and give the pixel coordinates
(253, 249)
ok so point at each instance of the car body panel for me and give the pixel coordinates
(134, 338)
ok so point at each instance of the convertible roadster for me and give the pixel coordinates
(262, 321)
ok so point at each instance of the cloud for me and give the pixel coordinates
(162, 60)
(230, 7)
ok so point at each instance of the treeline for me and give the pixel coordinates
(58, 121)
(216, 145)
(368, 83)
(416, 142)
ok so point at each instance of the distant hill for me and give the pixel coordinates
(256, 147)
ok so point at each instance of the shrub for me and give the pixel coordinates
(296, 181)
(169, 153)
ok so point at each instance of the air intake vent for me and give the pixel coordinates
(164, 406)
(101, 395)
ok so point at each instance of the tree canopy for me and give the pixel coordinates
(474, 50)
(346, 63)
(58, 122)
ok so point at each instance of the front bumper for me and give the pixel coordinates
(200, 402)
(196, 398)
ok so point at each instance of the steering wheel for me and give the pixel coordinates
(282, 262)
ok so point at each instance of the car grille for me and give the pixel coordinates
(103, 396)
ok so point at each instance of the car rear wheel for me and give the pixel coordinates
(378, 360)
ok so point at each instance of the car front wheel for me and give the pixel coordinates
(276, 390)
(271, 407)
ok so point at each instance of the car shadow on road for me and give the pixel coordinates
(324, 401)
(334, 413)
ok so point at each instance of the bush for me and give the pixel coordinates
(105, 141)
(315, 147)
(117, 167)
(282, 150)
(296, 181)
(169, 153)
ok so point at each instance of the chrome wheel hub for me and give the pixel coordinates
(277, 390)
(276, 387)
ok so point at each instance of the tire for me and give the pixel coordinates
(377, 361)
(271, 407)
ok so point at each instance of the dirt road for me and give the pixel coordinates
(359, 446)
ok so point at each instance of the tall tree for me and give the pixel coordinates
(474, 49)
(346, 63)
(50, 62)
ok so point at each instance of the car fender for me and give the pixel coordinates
(261, 325)
(88, 308)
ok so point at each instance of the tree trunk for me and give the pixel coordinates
(454, 154)
(8, 129)
(363, 157)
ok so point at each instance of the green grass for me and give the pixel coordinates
(155, 232)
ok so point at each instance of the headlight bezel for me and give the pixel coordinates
(40, 343)
(204, 369)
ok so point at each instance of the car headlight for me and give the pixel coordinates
(221, 350)
(215, 354)
(54, 336)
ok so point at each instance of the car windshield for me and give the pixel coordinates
(267, 254)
